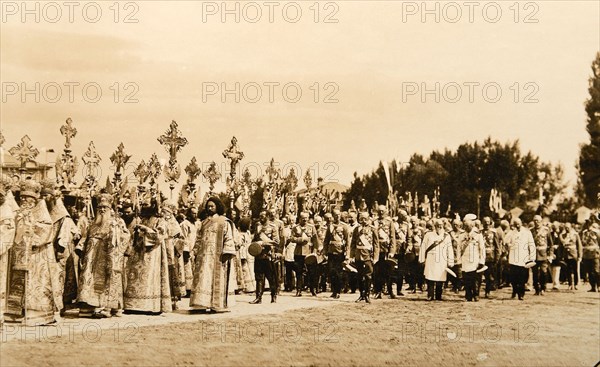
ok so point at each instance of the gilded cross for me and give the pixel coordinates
(69, 132)
(192, 170)
(24, 151)
(234, 155)
(247, 178)
(119, 158)
(91, 159)
(173, 141)
(154, 168)
(213, 175)
(141, 172)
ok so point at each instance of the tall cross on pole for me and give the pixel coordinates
(24, 152)
(213, 175)
(66, 164)
(189, 193)
(234, 155)
(119, 159)
(173, 141)
(91, 159)
(69, 132)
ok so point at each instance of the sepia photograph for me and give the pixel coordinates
(299, 183)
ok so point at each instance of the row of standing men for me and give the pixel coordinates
(146, 258)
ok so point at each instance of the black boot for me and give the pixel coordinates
(390, 291)
(361, 292)
(259, 292)
(367, 290)
(273, 297)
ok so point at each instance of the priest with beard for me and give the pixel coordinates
(34, 292)
(147, 270)
(101, 253)
(214, 279)
(64, 235)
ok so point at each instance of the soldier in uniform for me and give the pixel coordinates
(364, 249)
(437, 255)
(401, 230)
(456, 234)
(521, 251)
(322, 268)
(415, 268)
(352, 224)
(573, 250)
(544, 253)
(559, 254)
(335, 246)
(492, 254)
(473, 255)
(265, 264)
(274, 215)
(590, 239)
(386, 236)
(504, 268)
(289, 247)
(305, 236)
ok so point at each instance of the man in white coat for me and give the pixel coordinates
(437, 254)
(472, 257)
(521, 252)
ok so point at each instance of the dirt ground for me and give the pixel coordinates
(558, 329)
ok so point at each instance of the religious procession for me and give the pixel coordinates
(102, 250)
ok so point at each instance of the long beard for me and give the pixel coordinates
(102, 219)
(127, 219)
(147, 211)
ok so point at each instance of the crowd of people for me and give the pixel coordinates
(144, 254)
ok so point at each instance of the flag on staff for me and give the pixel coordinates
(495, 202)
(391, 202)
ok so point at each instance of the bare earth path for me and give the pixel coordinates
(560, 328)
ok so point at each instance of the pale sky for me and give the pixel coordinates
(371, 54)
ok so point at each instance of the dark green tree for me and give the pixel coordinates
(589, 154)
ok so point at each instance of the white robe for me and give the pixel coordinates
(438, 258)
(7, 235)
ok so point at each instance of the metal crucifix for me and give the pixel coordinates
(234, 155)
(173, 141)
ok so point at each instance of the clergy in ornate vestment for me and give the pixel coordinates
(147, 268)
(101, 253)
(7, 235)
(174, 244)
(64, 234)
(34, 289)
(214, 278)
